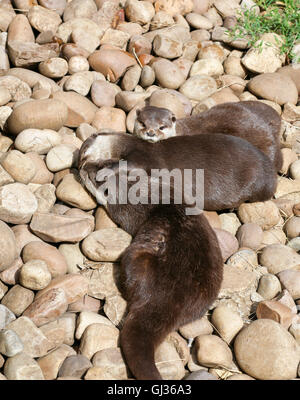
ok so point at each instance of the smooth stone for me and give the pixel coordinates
(37, 250)
(75, 286)
(38, 114)
(198, 87)
(106, 244)
(17, 299)
(275, 87)
(35, 275)
(8, 248)
(278, 257)
(73, 256)
(213, 351)
(265, 214)
(196, 328)
(87, 318)
(103, 93)
(290, 280)
(110, 119)
(226, 322)
(227, 242)
(250, 235)
(6, 316)
(115, 308)
(35, 342)
(51, 363)
(10, 343)
(292, 227)
(269, 286)
(265, 350)
(22, 367)
(272, 309)
(19, 166)
(37, 140)
(61, 157)
(112, 361)
(97, 337)
(168, 74)
(75, 366)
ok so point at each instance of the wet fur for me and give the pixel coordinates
(253, 121)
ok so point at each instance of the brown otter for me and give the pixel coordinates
(170, 274)
(253, 121)
(234, 170)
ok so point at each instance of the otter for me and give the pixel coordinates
(253, 121)
(234, 170)
(169, 275)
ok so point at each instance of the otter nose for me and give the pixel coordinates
(150, 133)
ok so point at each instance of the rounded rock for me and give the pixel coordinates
(61, 157)
(265, 350)
(227, 322)
(35, 275)
(198, 87)
(213, 352)
(168, 74)
(38, 114)
(54, 67)
(8, 248)
(250, 235)
(37, 140)
(269, 286)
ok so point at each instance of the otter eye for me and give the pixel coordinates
(162, 127)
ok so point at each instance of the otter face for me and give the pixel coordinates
(95, 151)
(154, 124)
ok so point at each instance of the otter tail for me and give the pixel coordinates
(139, 341)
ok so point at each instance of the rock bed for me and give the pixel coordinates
(64, 75)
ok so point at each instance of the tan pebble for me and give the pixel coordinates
(51, 363)
(22, 367)
(196, 328)
(19, 166)
(112, 361)
(269, 286)
(109, 118)
(265, 214)
(168, 361)
(87, 318)
(227, 242)
(226, 322)
(250, 235)
(35, 275)
(263, 344)
(97, 337)
(272, 309)
(17, 299)
(290, 280)
(35, 342)
(74, 366)
(49, 254)
(277, 258)
(213, 351)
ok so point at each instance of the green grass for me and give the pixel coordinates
(281, 17)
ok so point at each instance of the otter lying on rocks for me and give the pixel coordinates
(253, 121)
(234, 170)
(170, 274)
(172, 270)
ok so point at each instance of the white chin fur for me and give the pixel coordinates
(101, 148)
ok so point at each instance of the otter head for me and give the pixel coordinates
(154, 124)
(96, 153)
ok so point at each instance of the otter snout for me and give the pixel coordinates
(150, 133)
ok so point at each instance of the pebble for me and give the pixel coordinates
(213, 352)
(111, 119)
(87, 318)
(278, 257)
(8, 248)
(38, 114)
(292, 227)
(168, 74)
(97, 337)
(35, 275)
(198, 87)
(74, 365)
(275, 87)
(51, 363)
(290, 280)
(103, 93)
(166, 47)
(35, 342)
(72, 192)
(72, 255)
(54, 260)
(74, 287)
(269, 286)
(22, 367)
(196, 328)
(61, 157)
(265, 214)
(6, 316)
(112, 361)
(106, 244)
(226, 322)
(17, 299)
(227, 242)
(272, 309)
(115, 308)
(102, 281)
(10, 343)
(207, 66)
(265, 350)
(250, 235)
(230, 223)
(168, 361)
(37, 140)
(86, 303)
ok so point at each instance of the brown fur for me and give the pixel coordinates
(234, 170)
(253, 121)
(170, 274)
